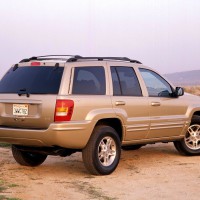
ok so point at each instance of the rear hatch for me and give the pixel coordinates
(28, 95)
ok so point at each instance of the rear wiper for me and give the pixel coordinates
(23, 91)
(15, 67)
(56, 67)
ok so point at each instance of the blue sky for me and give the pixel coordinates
(163, 34)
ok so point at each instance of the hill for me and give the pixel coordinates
(187, 78)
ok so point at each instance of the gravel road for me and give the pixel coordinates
(152, 172)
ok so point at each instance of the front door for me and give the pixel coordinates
(167, 113)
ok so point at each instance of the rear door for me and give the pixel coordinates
(28, 96)
(129, 102)
(89, 91)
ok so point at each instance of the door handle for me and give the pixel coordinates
(120, 103)
(155, 103)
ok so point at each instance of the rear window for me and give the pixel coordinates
(32, 80)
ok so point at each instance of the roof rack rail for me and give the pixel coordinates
(54, 57)
(75, 58)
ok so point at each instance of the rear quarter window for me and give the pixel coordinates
(89, 81)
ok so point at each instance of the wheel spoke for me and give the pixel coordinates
(189, 139)
(112, 153)
(102, 144)
(106, 160)
(109, 141)
(198, 137)
(101, 155)
(198, 132)
(191, 131)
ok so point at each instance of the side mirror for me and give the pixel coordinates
(179, 91)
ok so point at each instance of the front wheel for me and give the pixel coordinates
(27, 158)
(190, 145)
(102, 153)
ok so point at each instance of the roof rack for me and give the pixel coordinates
(74, 58)
(48, 57)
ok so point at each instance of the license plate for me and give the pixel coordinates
(20, 109)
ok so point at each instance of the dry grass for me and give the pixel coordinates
(3, 187)
(6, 145)
(192, 90)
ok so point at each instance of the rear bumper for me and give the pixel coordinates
(73, 135)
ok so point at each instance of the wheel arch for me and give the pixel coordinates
(196, 113)
(192, 111)
(115, 123)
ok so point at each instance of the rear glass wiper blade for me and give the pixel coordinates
(23, 91)
(38, 93)
(15, 67)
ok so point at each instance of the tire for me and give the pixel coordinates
(102, 152)
(27, 158)
(190, 144)
(132, 147)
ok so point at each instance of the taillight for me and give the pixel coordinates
(35, 64)
(64, 110)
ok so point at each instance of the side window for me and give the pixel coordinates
(156, 85)
(116, 83)
(125, 82)
(89, 80)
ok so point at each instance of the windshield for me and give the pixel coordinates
(32, 80)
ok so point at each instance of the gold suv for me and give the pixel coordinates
(58, 105)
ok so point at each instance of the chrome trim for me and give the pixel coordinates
(15, 101)
(168, 123)
(137, 127)
(138, 119)
(166, 127)
(141, 129)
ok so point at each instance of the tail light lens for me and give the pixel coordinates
(64, 110)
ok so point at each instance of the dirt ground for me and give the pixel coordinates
(153, 172)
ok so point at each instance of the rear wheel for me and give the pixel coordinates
(190, 145)
(27, 158)
(132, 147)
(102, 153)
